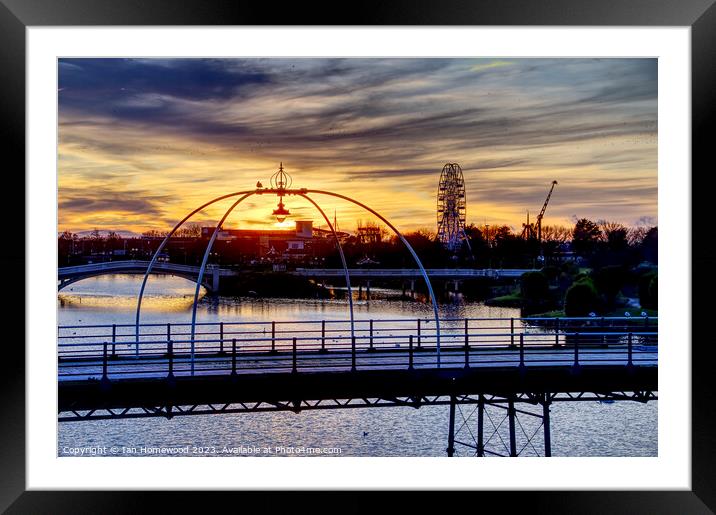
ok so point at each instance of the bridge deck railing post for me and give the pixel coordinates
(221, 337)
(419, 337)
(371, 335)
(273, 336)
(522, 350)
(170, 357)
(512, 332)
(576, 349)
(467, 333)
(105, 378)
(295, 363)
(410, 352)
(233, 356)
(323, 335)
(467, 351)
(630, 361)
(604, 337)
(353, 353)
(556, 332)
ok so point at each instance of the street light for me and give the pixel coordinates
(280, 181)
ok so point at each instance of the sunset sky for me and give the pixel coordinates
(144, 141)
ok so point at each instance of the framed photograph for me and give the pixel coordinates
(359, 257)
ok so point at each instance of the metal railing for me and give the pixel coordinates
(454, 273)
(110, 351)
(130, 264)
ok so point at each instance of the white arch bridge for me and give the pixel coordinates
(72, 274)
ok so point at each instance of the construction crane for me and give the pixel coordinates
(528, 229)
(541, 213)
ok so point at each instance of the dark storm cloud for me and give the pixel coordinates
(85, 80)
(112, 201)
(155, 94)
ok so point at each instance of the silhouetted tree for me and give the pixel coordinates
(192, 230)
(609, 281)
(534, 287)
(650, 245)
(585, 237)
(581, 299)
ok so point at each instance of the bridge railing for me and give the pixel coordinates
(415, 273)
(123, 265)
(226, 347)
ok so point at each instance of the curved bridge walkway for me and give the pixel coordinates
(71, 274)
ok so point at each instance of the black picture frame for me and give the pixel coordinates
(700, 15)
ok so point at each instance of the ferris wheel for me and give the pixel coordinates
(451, 206)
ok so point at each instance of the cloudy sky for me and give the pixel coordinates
(144, 141)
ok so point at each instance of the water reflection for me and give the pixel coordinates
(578, 429)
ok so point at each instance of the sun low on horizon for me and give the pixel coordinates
(142, 142)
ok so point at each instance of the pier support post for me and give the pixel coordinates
(547, 429)
(451, 429)
(215, 280)
(511, 414)
(360, 292)
(412, 288)
(367, 290)
(480, 426)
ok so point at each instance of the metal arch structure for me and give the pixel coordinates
(279, 183)
(451, 206)
(204, 262)
(343, 259)
(210, 245)
(161, 247)
(423, 272)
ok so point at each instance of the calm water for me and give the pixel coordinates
(578, 428)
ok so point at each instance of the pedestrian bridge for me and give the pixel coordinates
(166, 370)
(71, 274)
(414, 273)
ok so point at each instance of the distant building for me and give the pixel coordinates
(263, 243)
(369, 234)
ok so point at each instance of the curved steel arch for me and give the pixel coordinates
(161, 247)
(343, 259)
(204, 261)
(302, 193)
(410, 249)
(211, 244)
